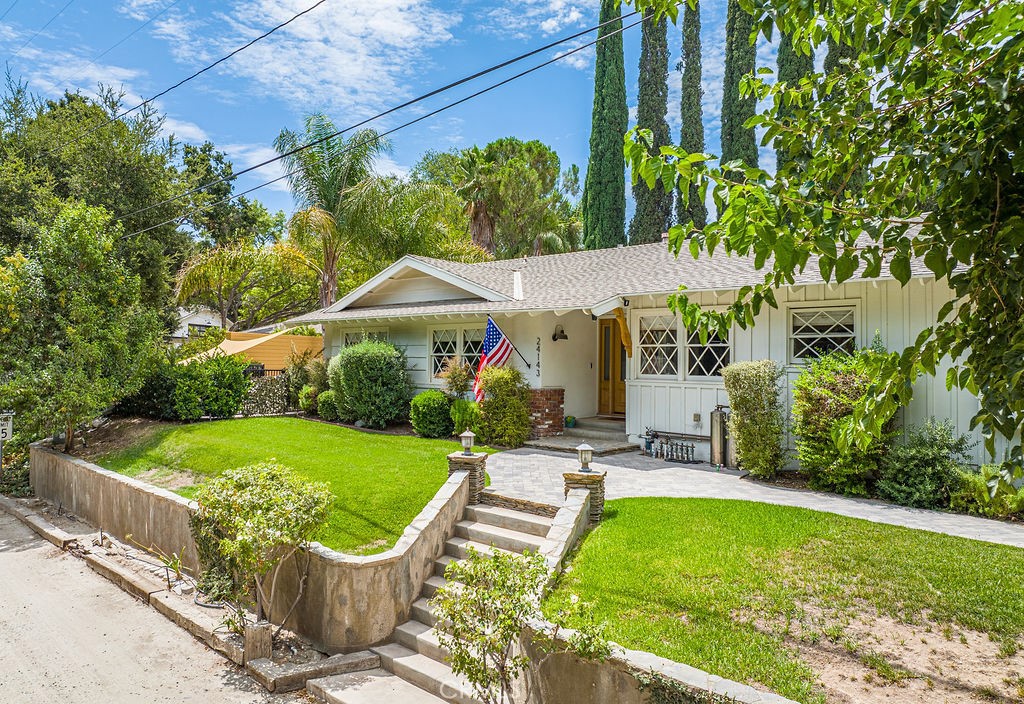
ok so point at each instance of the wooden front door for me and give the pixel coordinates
(611, 370)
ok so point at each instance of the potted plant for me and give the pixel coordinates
(570, 421)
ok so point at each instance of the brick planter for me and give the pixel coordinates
(547, 412)
(592, 482)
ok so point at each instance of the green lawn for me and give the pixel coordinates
(720, 585)
(380, 482)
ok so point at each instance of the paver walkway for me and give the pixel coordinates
(537, 474)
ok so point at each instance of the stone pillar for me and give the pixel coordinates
(547, 412)
(592, 482)
(476, 465)
(258, 642)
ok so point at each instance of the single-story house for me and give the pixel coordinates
(192, 322)
(270, 351)
(599, 339)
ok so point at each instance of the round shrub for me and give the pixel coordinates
(190, 387)
(505, 410)
(465, 416)
(824, 395)
(307, 399)
(926, 469)
(373, 379)
(327, 405)
(430, 414)
(755, 418)
(226, 386)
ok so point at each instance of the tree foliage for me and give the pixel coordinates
(75, 330)
(940, 147)
(793, 67)
(653, 213)
(690, 207)
(738, 140)
(604, 191)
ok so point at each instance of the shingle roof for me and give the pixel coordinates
(582, 280)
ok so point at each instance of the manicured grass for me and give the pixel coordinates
(380, 482)
(720, 584)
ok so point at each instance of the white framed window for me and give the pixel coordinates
(814, 332)
(658, 346)
(707, 359)
(465, 343)
(354, 337)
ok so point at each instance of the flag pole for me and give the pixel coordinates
(511, 343)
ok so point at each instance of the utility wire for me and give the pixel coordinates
(128, 36)
(350, 147)
(183, 81)
(41, 29)
(8, 11)
(404, 105)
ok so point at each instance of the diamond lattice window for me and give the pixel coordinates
(706, 360)
(472, 347)
(818, 332)
(659, 346)
(443, 344)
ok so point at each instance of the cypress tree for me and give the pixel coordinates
(738, 142)
(653, 213)
(604, 224)
(692, 134)
(791, 68)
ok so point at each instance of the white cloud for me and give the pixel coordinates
(522, 18)
(582, 60)
(385, 165)
(140, 9)
(184, 130)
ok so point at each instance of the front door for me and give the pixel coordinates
(611, 370)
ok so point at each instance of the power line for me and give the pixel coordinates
(350, 147)
(121, 41)
(413, 101)
(41, 29)
(183, 81)
(8, 11)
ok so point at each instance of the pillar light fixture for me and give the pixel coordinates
(586, 455)
(467, 442)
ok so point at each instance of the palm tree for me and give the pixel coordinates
(321, 179)
(475, 190)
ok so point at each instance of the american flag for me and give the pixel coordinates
(497, 350)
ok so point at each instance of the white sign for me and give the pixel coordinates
(6, 427)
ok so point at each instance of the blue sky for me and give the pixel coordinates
(350, 59)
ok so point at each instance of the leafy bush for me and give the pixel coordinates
(505, 410)
(214, 387)
(430, 413)
(307, 399)
(823, 397)
(372, 377)
(458, 377)
(251, 519)
(924, 471)
(296, 370)
(318, 375)
(327, 405)
(465, 416)
(155, 398)
(226, 385)
(755, 420)
(974, 494)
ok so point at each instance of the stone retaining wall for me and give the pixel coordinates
(517, 504)
(547, 412)
(351, 601)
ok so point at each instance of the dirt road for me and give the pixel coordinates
(68, 635)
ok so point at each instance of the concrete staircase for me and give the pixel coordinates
(414, 667)
(606, 435)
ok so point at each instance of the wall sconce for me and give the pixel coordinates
(625, 303)
(559, 334)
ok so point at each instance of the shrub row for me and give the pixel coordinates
(214, 387)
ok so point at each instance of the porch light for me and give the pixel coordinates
(559, 334)
(467, 442)
(586, 454)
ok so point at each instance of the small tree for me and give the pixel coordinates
(458, 377)
(249, 523)
(483, 610)
(756, 422)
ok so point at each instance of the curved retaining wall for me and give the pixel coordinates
(351, 602)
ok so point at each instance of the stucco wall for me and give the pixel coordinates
(351, 601)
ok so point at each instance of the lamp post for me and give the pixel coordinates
(467, 442)
(586, 454)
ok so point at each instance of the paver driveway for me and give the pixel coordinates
(537, 474)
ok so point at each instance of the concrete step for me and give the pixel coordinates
(504, 538)
(458, 547)
(567, 444)
(441, 563)
(431, 586)
(421, 638)
(431, 675)
(586, 434)
(369, 687)
(422, 612)
(509, 518)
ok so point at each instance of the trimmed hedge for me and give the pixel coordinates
(214, 387)
(430, 414)
(505, 409)
(465, 416)
(371, 377)
(756, 421)
(327, 405)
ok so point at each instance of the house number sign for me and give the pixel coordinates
(6, 433)
(538, 358)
